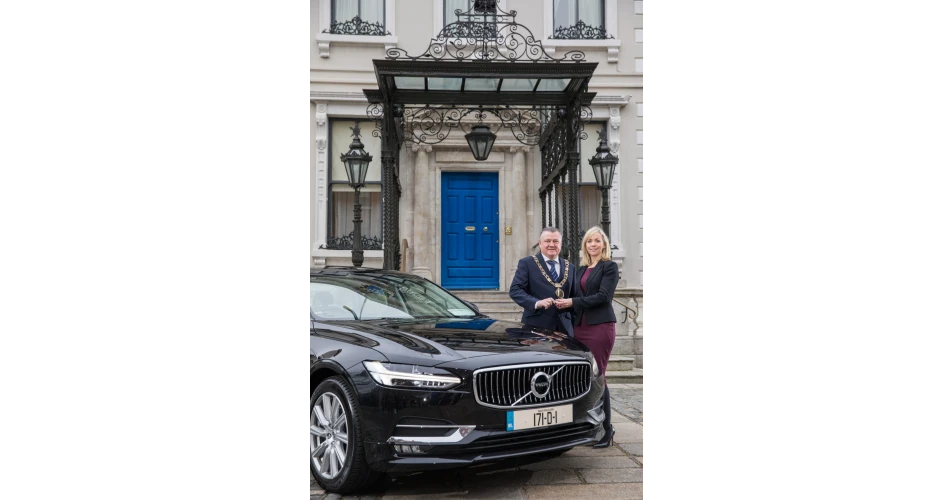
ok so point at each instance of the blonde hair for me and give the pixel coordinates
(586, 259)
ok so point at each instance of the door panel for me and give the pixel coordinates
(470, 230)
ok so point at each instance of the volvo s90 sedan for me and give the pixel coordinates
(406, 377)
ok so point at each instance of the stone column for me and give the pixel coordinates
(320, 183)
(521, 225)
(407, 208)
(421, 212)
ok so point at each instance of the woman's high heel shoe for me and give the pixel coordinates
(607, 440)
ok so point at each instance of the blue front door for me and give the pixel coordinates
(470, 230)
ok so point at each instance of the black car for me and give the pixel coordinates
(407, 377)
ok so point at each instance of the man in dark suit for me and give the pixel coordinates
(542, 278)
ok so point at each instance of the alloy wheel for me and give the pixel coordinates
(329, 436)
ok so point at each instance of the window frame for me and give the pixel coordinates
(609, 14)
(334, 14)
(439, 14)
(584, 161)
(330, 176)
(603, 24)
(324, 40)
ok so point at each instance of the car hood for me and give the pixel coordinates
(445, 340)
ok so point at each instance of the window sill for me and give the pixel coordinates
(611, 45)
(324, 41)
(611, 42)
(323, 252)
(359, 39)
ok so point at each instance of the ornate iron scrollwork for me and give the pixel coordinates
(485, 33)
(357, 26)
(432, 124)
(346, 242)
(581, 31)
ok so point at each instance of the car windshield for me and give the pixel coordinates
(377, 296)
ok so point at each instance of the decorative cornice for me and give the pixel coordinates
(609, 100)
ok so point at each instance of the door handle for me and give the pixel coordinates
(485, 229)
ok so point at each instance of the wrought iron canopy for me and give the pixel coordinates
(480, 82)
(484, 58)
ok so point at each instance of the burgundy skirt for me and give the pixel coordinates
(599, 339)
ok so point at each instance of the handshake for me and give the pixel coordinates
(560, 303)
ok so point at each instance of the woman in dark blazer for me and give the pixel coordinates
(593, 315)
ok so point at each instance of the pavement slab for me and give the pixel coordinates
(612, 475)
(554, 476)
(611, 491)
(628, 432)
(627, 400)
(633, 448)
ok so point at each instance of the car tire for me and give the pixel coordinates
(335, 433)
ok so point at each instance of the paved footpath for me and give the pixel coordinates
(584, 472)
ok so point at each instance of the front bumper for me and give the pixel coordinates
(410, 430)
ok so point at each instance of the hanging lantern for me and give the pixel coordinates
(480, 140)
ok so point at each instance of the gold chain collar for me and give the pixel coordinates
(558, 286)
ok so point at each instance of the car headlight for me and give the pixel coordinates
(594, 367)
(411, 376)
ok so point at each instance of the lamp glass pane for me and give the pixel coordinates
(364, 166)
(484, 145)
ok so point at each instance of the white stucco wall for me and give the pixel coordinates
(341, 67)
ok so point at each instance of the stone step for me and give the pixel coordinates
(618, 363)
(624, 377)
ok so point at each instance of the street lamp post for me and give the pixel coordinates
(603, 164)
(356, 163)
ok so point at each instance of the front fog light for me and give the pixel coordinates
(405, 448)
(411, 376)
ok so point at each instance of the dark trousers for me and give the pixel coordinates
(607, 406)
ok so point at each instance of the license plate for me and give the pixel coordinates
(538, 417)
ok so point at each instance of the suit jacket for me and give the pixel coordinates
(530, 286)
(596, 301)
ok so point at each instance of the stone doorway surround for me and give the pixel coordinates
(510, 161)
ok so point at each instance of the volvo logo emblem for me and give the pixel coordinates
(540, 384)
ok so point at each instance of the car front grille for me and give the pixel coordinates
(511, 386)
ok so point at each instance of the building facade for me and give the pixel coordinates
(347, 35)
